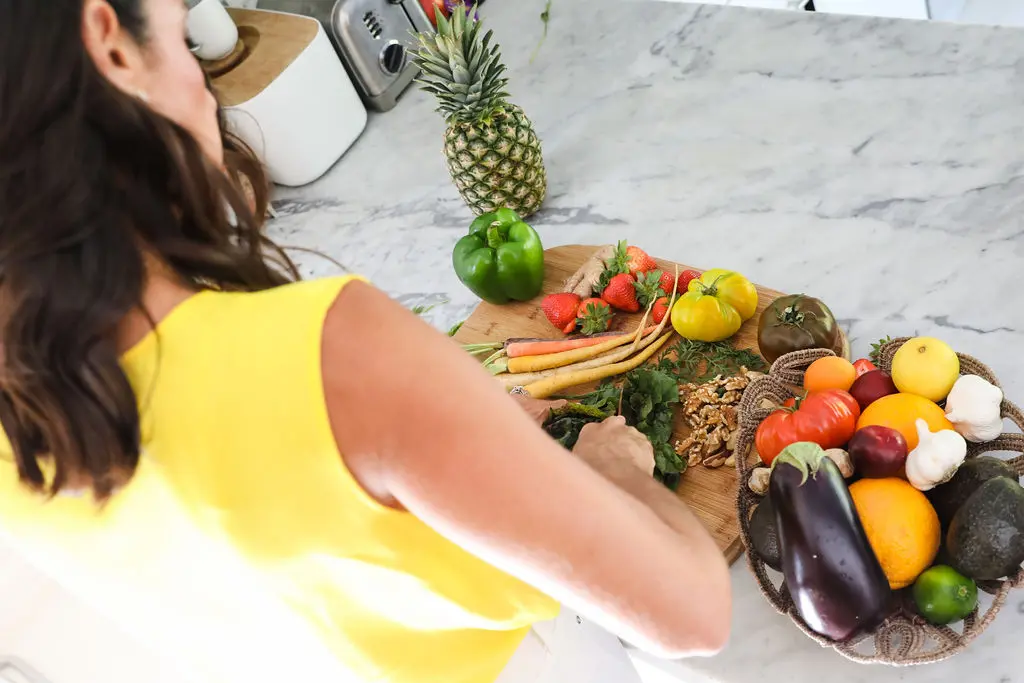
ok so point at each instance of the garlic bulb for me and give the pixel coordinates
(973, 408)
(937, 457)
(759, 480)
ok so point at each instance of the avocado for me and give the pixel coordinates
(986, 537)
(765, 535)
(947, 498)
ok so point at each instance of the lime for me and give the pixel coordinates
(944, 595)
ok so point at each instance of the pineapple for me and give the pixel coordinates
(493, 153)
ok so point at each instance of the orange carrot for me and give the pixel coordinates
(545, 346)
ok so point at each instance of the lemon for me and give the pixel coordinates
(927, 367)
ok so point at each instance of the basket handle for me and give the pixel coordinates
(785, 373)
(752, 413)
(789, 369)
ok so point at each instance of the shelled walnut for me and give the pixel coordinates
(711, 411)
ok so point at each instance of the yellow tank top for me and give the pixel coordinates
(242, 532)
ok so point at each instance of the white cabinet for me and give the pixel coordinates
(65, 641)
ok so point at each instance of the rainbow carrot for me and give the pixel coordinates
(540, 347)
(550, 385)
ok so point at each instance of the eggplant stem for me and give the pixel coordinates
(806, 459)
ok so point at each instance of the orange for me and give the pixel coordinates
(901, 411)
(831, 372)
(901, 526)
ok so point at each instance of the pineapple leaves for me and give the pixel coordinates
(462, 69)
(444, 27)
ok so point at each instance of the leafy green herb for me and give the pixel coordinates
(647, 396)
(605, 398)
(426, 308)
(565, 424)
(693, 361)
(876, 349)
(455, 328)
(648, 400)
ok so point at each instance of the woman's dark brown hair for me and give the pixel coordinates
(90, 181)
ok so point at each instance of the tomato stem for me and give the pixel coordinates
(792, 315)
(712, 289)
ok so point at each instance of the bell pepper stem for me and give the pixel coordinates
(494, 238)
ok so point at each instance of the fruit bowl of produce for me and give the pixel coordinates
(871, 510)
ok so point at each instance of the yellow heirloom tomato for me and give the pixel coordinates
(715, 306)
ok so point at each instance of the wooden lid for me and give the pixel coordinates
(271, 41)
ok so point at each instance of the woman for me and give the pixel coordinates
(197, 443)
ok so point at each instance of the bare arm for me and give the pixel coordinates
(627, 460)
(445, 441)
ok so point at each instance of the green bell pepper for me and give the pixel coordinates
(501, 259)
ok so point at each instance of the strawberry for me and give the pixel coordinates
(560, 310)
(660, 309)
(648, 287)
(594, 315)
(621, 293)
(638, 261)
(667, 282)
(684, 279)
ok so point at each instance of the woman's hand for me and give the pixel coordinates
(611, 443)
(536, 408)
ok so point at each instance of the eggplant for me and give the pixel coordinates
(833, 575)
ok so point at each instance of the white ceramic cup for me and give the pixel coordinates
(211, 30)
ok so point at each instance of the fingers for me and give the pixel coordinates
(615, 421)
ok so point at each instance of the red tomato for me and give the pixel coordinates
(827, 418)
(863, 366)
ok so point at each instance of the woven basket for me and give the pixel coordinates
(905, 638)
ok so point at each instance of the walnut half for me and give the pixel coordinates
(711, 411)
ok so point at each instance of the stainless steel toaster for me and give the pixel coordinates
(374, 39)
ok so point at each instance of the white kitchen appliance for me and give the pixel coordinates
(286, 93)
(211, 30)
(375, 38)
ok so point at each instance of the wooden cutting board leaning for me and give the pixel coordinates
(710, 493)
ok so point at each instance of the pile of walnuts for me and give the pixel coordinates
(711, 411)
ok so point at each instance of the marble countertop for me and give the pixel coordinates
(874, 163)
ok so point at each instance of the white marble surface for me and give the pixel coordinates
(874, 163)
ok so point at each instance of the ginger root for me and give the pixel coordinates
(583, 282)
